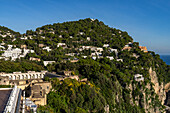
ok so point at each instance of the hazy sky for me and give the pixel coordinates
(147, 21)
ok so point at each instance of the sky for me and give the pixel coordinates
(147, 21)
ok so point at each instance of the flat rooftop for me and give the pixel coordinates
(4, 95)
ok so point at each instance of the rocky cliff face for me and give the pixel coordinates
(159, 88)
(146, 100)
(167, 101)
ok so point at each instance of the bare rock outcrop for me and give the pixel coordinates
(167, 101)
(159, 88)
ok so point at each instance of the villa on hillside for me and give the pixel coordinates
(23, 46)
(106, 45)
(143, 48)
(40, 45)
(47, 48)
(48, 62)
(139, 77)
(35, 59)
(127, 48)
(63, 45)
(15, 53)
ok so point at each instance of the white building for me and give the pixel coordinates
(88, 38)
(72, 54)
(10, 46)
(13, 53)
(60, 36)
(3, 36)
(113, 50)
(110, 57)
(119, 60)
(93, 54)
(61, 45)
(99, 49)
(92, 20)
(91, 48)
(43, 37)
(47, 48)
(84, 56)
(81, 33)
(139, 77)
(24, 38)
(48, 62)
(86, 47)
(98, 53)
(32, 51)
(31, 104)
(52, 32)
(106, 45)
(26, 51)
(94, 57)
(71, 36)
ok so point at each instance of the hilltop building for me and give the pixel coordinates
(143, 48)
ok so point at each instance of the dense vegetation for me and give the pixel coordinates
(23, 66)
(107, 80)
(111, 80)
(5, 31)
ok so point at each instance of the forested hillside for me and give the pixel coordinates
(106, 56)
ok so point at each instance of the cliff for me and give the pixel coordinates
(167, 100)
(159, 88)
(151, 91)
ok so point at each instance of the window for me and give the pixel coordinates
(40, 93)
